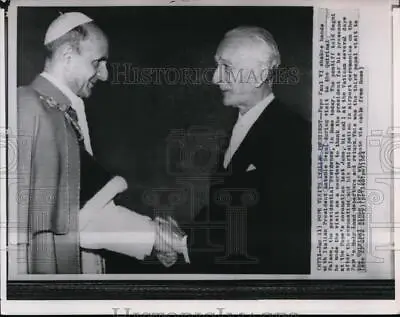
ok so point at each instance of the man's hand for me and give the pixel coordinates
(170, 240)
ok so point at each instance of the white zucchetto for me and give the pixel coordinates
(63, 24)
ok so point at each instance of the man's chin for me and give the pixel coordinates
(227, 102)
(85, 94)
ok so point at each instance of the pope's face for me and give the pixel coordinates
(89, 65)
(238, 70)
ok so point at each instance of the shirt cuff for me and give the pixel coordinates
(121, 230)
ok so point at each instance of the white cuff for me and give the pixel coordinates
(119, 229)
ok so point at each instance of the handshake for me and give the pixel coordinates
(170, 241)
(100, 214)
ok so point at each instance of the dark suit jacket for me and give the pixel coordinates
(263, 214)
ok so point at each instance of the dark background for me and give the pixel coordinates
(131, 124)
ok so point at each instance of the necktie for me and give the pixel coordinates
(72, 117)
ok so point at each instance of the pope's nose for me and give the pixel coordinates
(102, 72)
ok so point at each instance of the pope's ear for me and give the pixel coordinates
(66, 52)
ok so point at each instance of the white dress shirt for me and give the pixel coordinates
(243, 125)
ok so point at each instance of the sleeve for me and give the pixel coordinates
(121, 230)
(27, 123)
(37, 187)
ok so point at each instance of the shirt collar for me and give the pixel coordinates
(75, 100)
(255, 111)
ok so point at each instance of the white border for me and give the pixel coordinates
(176, 307)
(396, 124)
(260, 306)
(3, 160)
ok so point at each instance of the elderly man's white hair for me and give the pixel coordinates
(259, 35)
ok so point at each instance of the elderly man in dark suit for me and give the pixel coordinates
(263, 202)
(57, 167)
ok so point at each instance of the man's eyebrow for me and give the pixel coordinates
(221, 60)
(104, 58)
(226, 62)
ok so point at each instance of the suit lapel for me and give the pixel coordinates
(248, 148)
